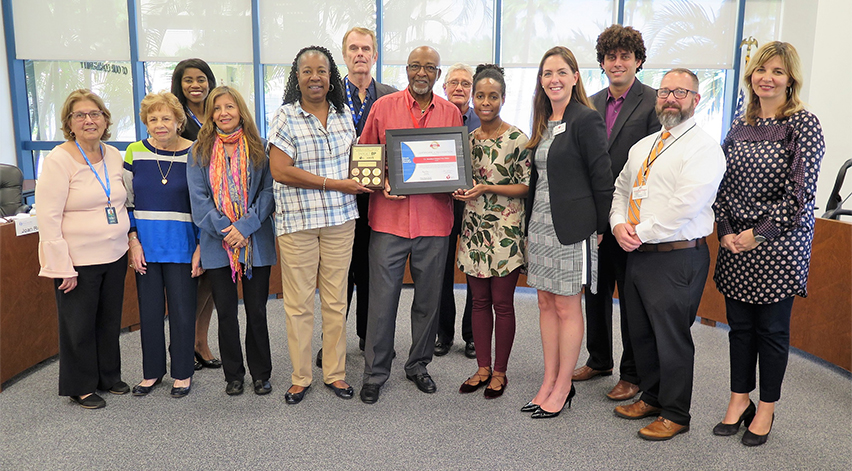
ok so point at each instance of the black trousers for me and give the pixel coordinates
(759, 332)
(255, 296)
(89, 325)
(664, 290)
(612, 264)
(172, 283)
(447, 314)
(359, 267)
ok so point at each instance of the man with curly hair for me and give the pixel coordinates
(627, 106)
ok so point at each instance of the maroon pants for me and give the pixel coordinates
(499, 293)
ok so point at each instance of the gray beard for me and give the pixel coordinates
(419, 90)
(671, 119)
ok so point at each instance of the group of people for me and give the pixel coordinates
(619, 189)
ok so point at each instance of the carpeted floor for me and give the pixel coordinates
(407, 429)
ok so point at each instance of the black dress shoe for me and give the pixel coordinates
(212, 363)
(295, 398)
(442, 348)
(529, 407)
(470, 350)
(319, 358)
(753, 439)
(343, 393)
(234, 388)
(198, 365)
(424, 382)
(543, 414)
(178, 393)
(92, 401)
(361, 344)
(262, 386)
(724, 430)
(370, 393)
(119, 388)
(140, 390)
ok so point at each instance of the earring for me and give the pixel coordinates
(331, 87)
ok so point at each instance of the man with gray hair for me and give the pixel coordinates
(661, 213)
(458, 83)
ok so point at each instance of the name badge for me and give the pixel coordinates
(112, 218)
(640, 192)
(559, 129)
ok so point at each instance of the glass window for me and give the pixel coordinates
(50, 82)
(460, 32)
(71, 30)
(158, 77)
(216, 31)
(762, 20)
(698, 34)
(275, 81)
(531, 28)
(289, 25)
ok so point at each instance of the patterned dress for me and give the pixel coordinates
(493, 235)
(770, 186)
(553, 267)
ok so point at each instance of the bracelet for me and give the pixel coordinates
(132, 238)
(323, 183)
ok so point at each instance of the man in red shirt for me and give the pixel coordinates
(417, 226)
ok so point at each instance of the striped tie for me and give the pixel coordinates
(633, 213)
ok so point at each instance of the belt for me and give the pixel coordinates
(669, 246)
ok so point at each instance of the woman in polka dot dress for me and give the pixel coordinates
(765, 222)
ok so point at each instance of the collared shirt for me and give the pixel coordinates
(416, 215)
(370, 98)
(323, 151)
(470, 119)
(613, 107)
(681, 184)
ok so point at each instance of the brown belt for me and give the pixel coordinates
(669, 246)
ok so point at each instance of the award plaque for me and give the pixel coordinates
(428, 160)
(367, 165)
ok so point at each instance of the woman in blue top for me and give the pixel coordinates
(167, 257)
(230, 189)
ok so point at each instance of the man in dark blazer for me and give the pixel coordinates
(360, 52)
(627, 107)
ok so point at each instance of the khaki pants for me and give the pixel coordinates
(307, 256)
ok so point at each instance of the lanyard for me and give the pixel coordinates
(649, 162)
(356, 115)
(107, 188)
(192, 115)
(414, 120)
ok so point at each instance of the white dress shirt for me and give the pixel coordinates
(681, 185)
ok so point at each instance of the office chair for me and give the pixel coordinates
(11, 181)
(834, 208)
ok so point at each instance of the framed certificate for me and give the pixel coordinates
(367, 165)
(428, 160)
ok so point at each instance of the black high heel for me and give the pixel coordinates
(543, 414)
(723, 430)
(529, 407)
(212, 363)
(753, 439)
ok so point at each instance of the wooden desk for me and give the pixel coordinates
(821, 323)
(28, 325)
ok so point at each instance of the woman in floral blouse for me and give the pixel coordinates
(765, 222)
(491, 249)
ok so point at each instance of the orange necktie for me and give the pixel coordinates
(633, 213)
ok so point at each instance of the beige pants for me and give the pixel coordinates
(307, 256)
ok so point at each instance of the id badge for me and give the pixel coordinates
(559, 129)
(640, 192)
(112, 218)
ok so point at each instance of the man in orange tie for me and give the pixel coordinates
(661, 213)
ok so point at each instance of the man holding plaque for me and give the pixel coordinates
(416, 226)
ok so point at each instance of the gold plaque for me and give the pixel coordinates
(368, 161)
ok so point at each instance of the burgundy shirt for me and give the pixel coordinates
(428, 215)
(613, 107)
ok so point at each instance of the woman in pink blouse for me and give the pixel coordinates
(83, 246)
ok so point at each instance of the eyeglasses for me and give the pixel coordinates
(430, 69)
(81, 116)
(456, 84)
(679, 93)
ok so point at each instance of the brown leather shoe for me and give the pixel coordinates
(637, 410)
(662, 429)
(584, 372)
(623, 391)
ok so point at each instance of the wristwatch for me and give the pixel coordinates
(759, 239)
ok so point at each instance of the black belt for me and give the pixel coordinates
(669, 246)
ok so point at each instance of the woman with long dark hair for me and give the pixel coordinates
(230, 189)
(309, 142)
(568, 206)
